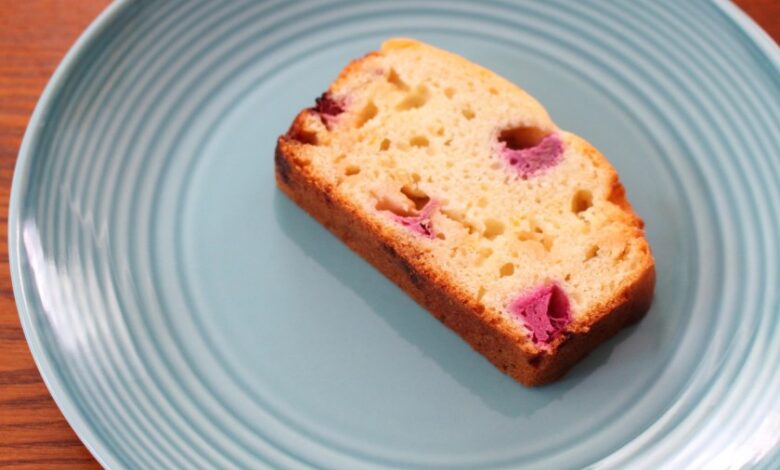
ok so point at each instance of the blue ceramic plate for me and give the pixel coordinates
(185, 314)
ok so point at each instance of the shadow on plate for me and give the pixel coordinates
(422, 330)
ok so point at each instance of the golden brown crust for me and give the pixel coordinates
(643, 284)
(354, 66)
(486, 332)
(616, 192)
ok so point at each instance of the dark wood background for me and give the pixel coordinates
(34, 36)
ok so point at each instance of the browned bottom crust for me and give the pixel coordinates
(503, 351)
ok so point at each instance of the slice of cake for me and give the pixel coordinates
(457, 185)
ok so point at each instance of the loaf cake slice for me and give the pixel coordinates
(458, 186)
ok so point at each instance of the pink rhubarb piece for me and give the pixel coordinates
(328, 108)
(544, 311)
(531, 161)
(420, 223)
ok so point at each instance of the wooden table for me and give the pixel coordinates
(34, 35)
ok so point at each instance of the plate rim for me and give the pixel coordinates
(751, 31)
(20, 181)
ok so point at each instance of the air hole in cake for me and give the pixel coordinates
(507, 270)
(493, 228)
(493, 91)
(388, 162)
(441, 236)
(440, 131)
(415, 99)
(449, 92)
(468, 113)
(547, 242)
(530, 150)
(397, 204)
(622, 255)
(368, 112)
(304, 136)
(416, 195)
(481, 293)
(351, 170)
(522, 137)
(384, 145)
(544, 311)
(482, 255)
(412, 208)
(592, 252)
(581, 201)
(419, 141)
(458, 217)
(396, 81)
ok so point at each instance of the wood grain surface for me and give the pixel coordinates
(34, 36)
